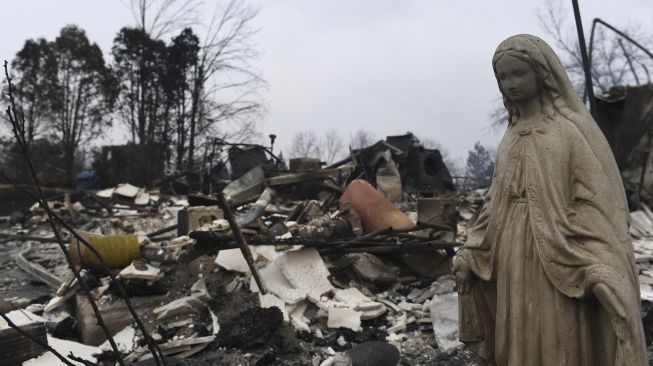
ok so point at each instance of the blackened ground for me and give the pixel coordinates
(429, 356)
(251, 329)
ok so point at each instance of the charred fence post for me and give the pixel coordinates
(240, 239)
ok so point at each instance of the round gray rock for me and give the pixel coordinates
(375, 353)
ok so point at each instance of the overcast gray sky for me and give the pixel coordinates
(385, 66)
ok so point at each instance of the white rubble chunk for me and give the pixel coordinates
(233, 260)
(341, 341)
(646, 292)
(287, 235)
(399, 325)
(150, 273)
(392, 337)
(444, 314)
(142, 198)
(645, 280)
(299, 324)
(370, 306)
(276, 283)
(105, 193)
(220, 225)
(297, 318)
(182, 240)
(64, 347)
(406, 306)
(351, 296)
(21, 317)
(389, 304)
(57, 301)
(77, 206)
(125, 340)
(181, 202)
(214, 323)
(344, 317)
(327, 362)
(127, 190)
(426, 306)
(35, 308)
(306, 270)
(373, 313)
(355, 299)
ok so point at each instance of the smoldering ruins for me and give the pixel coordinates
(196, 244)
(305, 264)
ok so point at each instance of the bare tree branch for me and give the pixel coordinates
(361, 139)
(613, 64)
(161, 17)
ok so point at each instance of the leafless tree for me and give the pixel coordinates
(305, 144)
(332, 147)
(431, 143)
(160, 17)
(361, 138)
(225, 83)
(329, 148)
(614, 61)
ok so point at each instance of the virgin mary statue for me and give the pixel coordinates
(547, 276)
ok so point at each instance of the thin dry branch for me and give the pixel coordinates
(160, 17)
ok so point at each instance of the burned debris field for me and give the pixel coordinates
(240, 182)
(345, 272)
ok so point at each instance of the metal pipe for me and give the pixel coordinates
(586, 64)
(240, 239)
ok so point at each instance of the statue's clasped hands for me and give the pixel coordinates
(464, 275)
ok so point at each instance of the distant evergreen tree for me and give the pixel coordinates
(480, 166)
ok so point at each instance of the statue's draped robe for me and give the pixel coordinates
(550, 229)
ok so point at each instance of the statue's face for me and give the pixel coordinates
(517, 79)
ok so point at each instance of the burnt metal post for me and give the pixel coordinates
(240, 239)
(272, 138)
(647, 157)
(586, 66)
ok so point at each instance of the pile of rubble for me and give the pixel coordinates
(344, 264)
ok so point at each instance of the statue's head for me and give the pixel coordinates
(523, 73)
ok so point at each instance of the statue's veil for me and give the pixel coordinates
(566, 101)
